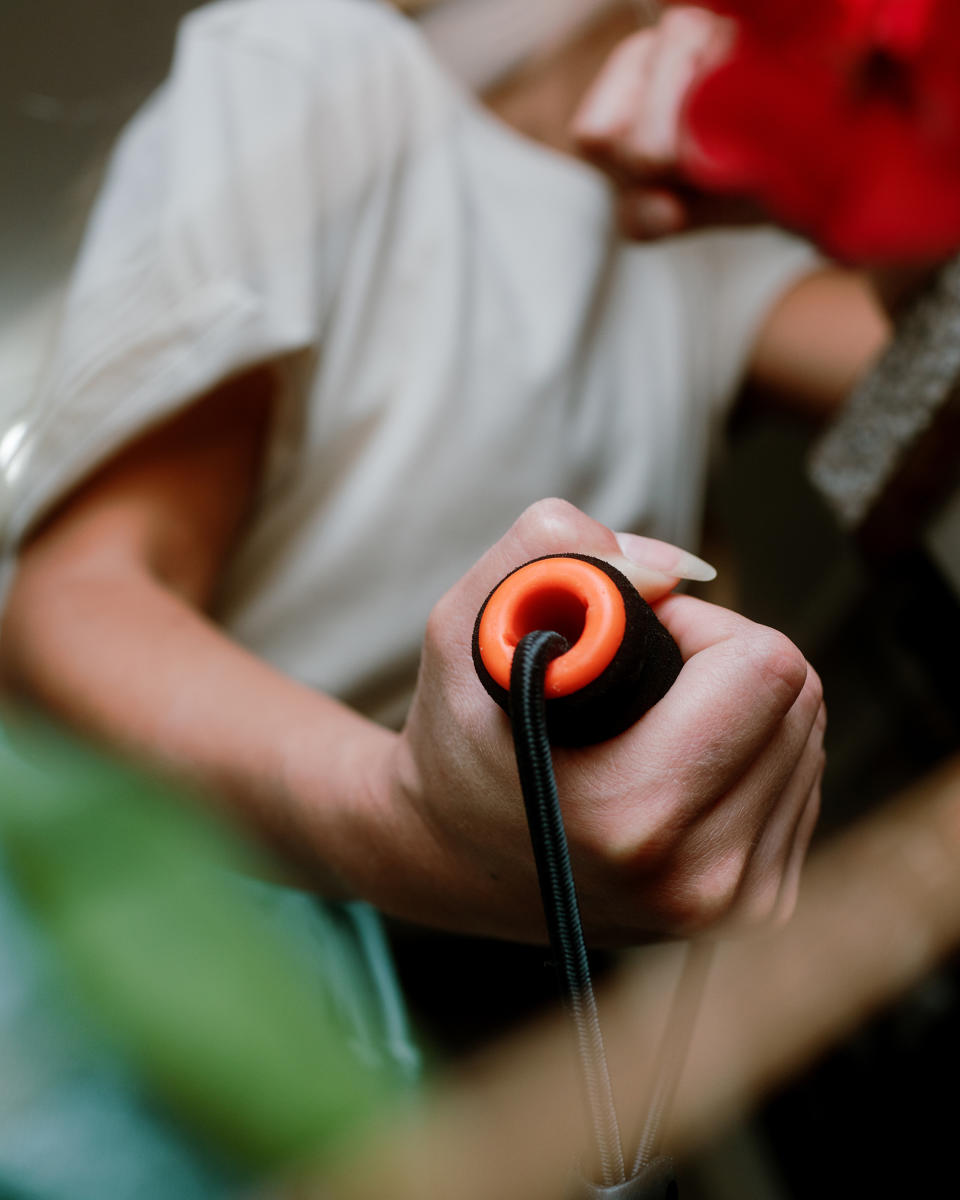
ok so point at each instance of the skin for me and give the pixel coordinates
(700, 815)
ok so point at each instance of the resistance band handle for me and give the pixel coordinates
(657, 1181)
(620, 660)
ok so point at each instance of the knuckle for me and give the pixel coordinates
(636, 851)
(709, 899)
(758, 907)
(813, 686)
(780, 665)
(636, 855)
(644, 840)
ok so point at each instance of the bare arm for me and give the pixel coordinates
(105, 627)
(700, 812)
(818, 340)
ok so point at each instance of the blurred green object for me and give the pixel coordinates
(146, 901)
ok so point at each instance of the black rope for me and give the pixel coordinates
(684, 1008)
(561, 910)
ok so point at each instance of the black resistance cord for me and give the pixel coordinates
(533, 655)
(616, 662)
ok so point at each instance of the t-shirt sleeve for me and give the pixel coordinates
(728, 282)
(223, 224)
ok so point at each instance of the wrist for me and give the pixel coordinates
(334, 784)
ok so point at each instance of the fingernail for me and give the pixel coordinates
(652, 554)
(688, 566)
(649, 582)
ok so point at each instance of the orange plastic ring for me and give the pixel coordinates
(574, 598)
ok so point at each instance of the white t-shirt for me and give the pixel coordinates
(461, 333)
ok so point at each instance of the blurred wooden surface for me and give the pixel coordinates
(880, 907)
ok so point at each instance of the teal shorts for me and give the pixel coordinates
(75, 1122)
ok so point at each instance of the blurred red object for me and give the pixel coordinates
(842, 117)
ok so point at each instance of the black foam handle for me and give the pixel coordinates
(641, 672)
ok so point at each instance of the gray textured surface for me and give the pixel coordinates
(896, 408)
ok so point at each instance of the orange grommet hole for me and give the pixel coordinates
(567, 595)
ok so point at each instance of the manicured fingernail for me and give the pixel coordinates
(649, 582)
(652, 554)
(688, 566)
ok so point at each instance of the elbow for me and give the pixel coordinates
(25, 627)
(57, 613)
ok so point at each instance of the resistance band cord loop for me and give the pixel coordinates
(533, 654)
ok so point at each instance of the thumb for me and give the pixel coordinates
(557, 527)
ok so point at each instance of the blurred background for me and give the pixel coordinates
(872, 599)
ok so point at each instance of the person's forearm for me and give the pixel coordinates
(125, 661)
(817, 342)
(701, 812)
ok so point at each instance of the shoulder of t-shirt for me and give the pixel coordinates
(295, 32)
